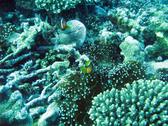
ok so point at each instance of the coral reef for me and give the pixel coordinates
(154, 33)
(50, 117)
(157, 70)
(143, 102)
(83, 62)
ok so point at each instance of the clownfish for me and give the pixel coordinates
(87, 68)
(64, 25)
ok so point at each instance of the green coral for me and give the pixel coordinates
(142, 103)
(56, 6)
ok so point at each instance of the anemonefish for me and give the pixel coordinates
(87, 68)
(64, 25)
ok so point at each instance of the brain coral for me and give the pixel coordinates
(141, 103)
(56, 6)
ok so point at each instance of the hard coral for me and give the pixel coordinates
(141, 103)
(74, 35)
(56, 6)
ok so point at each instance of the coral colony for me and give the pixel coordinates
(83, 63)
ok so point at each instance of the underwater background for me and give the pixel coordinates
(83, 62)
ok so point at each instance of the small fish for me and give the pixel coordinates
(64, 25)
(87, 68)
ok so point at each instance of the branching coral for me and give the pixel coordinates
(56, 6)
(75, 91)
(21, 42)
(143, 102)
